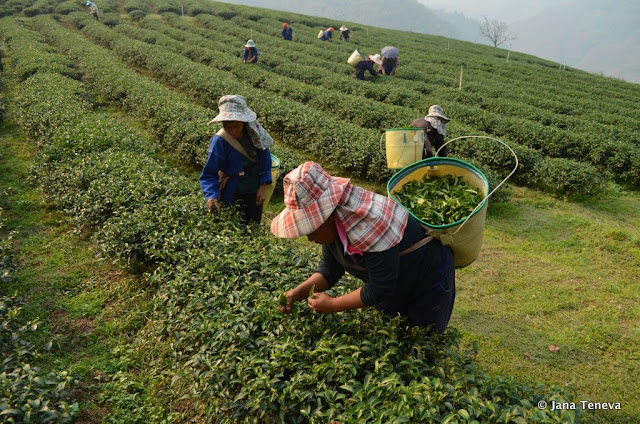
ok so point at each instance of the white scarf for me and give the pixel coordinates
(438, 124)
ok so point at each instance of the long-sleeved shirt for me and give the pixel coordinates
(223, 157)
(287, 33)
(389, 278)
(326, 35)
(362, 67)
(250, 54)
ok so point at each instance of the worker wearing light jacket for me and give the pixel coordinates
(370, 236)
(93, 9)
(245, 168)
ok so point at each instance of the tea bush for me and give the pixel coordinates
(26, 393)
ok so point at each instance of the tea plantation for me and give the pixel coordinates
(110, 118)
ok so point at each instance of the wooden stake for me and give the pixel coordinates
(461, 69)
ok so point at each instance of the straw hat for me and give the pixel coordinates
(250, 43)
(436, 111)
(343, 28)
(376, 58)
(310, 197)
(233, 108)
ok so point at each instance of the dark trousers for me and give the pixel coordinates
(246, 205)
(432, 305)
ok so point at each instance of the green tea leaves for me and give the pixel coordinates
(439, 200)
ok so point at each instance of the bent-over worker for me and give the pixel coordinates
(327, 34)
(370, 236)
(366, 65)
(93, 9)
(435, 130)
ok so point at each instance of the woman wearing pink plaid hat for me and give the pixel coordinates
(368, 235)
(239, 156)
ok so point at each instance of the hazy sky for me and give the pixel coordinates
(504, 10)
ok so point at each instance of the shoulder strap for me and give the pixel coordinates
(235, 144)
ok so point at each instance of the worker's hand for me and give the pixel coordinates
(212, 204)
(293, 295)
(321, 303)
(261, 194)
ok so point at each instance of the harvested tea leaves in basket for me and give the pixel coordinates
(439, 200)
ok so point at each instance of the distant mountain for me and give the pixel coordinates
(600, 36)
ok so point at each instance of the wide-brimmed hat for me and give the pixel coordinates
(250, 43)
(436, 111)
(233, 107)
(310, 197)
(376, 58)
(343, 28)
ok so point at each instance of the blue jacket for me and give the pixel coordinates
(287, 33)
(326, 35)
(253, 51)
(223, 157)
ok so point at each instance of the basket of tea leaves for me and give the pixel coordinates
(449, 198)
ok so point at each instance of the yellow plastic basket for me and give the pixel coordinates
(465, 236)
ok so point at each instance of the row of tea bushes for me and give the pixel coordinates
(193, 77)
(343, 145)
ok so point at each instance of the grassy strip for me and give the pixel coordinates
(557, 274)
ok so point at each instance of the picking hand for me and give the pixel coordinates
(211, 204)
(321, 303)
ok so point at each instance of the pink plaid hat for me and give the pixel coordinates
(310, 196)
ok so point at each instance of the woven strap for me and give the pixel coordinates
(235, 144)
(417, 245)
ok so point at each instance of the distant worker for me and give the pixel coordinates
(326, 34)
(434, 126)
(3, 53)
(389, 60)
(250, 53)
(93, 9)
(367, 65)
(344, 33)
(287, 32)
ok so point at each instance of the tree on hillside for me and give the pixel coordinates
(496, 31)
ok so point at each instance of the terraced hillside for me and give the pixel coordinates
(117, 110)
